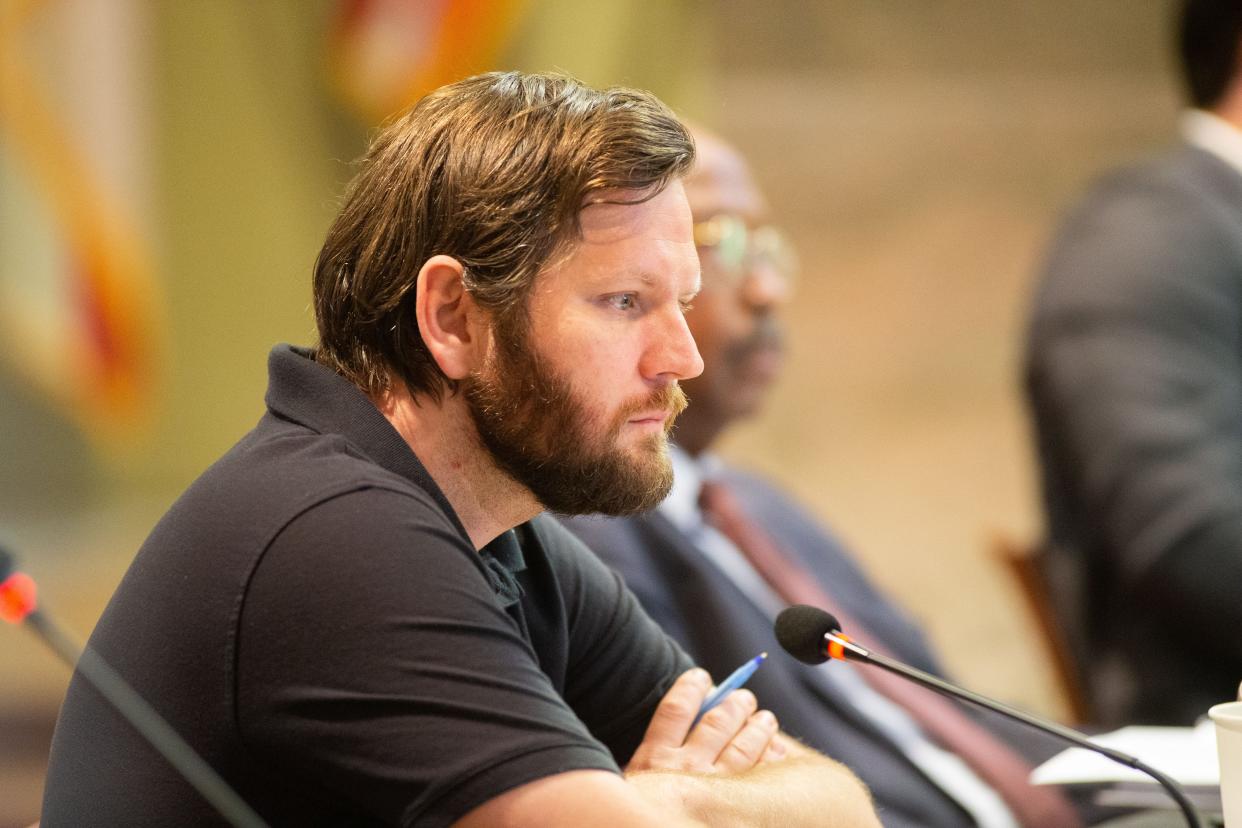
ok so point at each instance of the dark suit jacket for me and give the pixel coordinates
(720, 628)
(1135, 382)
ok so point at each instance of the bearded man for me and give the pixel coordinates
(726, 551)
(358, 615)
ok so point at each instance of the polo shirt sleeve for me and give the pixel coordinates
(375, 664)
(620, 662)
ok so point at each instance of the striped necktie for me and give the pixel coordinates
(994, 761)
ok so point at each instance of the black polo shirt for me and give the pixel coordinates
(313, 618)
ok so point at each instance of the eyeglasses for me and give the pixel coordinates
(740, 249)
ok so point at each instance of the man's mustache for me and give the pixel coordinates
(668, 398)
(767, 335)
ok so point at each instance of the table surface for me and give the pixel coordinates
(1158, 819)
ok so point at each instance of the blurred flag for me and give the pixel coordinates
(386, 54)
(77, 300)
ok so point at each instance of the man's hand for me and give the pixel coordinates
(716, 773)
(733, 737)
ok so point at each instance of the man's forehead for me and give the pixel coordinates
(610, 219)
(721, 182)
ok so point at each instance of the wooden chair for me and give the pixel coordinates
(1025, 567)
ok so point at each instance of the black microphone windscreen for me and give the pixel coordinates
(800, 631)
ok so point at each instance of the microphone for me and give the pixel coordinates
(19, 604)
(813, 636)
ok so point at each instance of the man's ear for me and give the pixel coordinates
(447, 316)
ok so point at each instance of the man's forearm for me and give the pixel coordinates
(806, 788)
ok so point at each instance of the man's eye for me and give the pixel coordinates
(623, 301)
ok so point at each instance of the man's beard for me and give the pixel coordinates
(542, 435)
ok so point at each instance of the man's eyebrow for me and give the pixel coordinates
(642, 274)
(649, 278)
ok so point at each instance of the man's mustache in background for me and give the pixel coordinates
(767, 335)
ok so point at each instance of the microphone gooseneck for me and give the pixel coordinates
(813, 636)
(18, 605)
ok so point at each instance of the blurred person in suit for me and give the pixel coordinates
(1134, 377)
(726, 551)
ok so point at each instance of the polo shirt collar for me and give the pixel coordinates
(305, 392)
(502, 561)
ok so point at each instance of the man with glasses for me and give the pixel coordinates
(725, 552)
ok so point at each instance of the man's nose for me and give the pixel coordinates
(676, 355)
(765, 287)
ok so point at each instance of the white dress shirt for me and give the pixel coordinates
(944, 769)
(1213, 134)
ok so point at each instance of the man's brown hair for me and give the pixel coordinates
(493, 171)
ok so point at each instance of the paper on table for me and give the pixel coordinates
(1188, 754)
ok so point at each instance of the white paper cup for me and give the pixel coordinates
(1228, 719)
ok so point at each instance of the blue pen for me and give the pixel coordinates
(735, 680)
